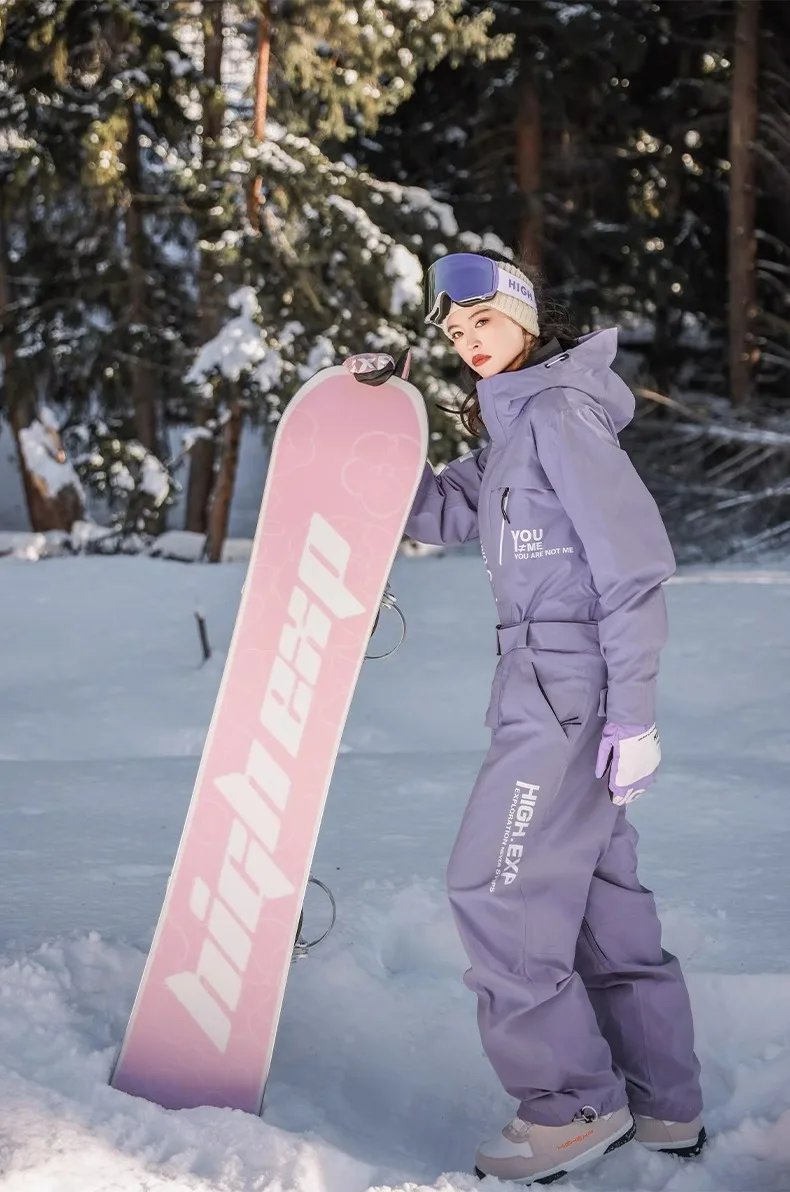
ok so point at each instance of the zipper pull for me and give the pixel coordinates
(504, 505)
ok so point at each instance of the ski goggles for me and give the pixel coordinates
(466, 279)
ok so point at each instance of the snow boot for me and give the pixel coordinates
(684, 1139)
(527, 1153)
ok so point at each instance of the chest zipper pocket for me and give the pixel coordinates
(505, 518)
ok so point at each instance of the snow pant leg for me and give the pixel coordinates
(636, 988)
(536, 826)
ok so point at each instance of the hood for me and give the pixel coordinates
(587, 367)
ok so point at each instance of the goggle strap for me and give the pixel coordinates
(507, 283)
(514, 287)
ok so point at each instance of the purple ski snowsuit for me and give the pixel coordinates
(578, 1004)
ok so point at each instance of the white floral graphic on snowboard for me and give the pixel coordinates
(383, 497)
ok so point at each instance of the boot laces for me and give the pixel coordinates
(518, 1129)
(586, 1114)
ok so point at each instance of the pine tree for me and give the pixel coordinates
(340, 66)
(96, 96)
(742, 244)
(25, 168)
(354, 283)
(527, 148)
(314, 246)
(769, 345)
(203, 450)
(599, 147)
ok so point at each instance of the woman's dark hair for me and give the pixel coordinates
(553, 323)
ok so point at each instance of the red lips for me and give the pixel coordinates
(479, 359)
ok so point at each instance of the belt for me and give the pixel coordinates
(570, 636)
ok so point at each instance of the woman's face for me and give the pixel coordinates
(486, 340)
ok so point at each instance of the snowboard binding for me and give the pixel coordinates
(389, 602)
(374, 368)
(302, 947)
(369, 368)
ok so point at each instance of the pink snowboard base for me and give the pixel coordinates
(344, 469)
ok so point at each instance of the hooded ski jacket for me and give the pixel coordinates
(567, 529)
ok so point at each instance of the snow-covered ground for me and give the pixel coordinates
(379, 1081)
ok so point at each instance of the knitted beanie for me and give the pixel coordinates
(523, 313)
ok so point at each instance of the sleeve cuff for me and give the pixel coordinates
(631, 703)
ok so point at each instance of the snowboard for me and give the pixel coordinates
(344, 468)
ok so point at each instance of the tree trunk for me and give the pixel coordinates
(664, 351)
(213, 45)
(219, 515)
(142, 386)
(529, 169)
(201, 475)
(6, 316)
(261, 97)
(46, 510)
(202, 457)
(743, 129)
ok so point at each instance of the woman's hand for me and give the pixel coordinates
(632, 753)
(374, 368)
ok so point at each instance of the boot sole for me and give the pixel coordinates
(557, 1175)
(690, 1151)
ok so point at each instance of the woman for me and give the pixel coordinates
(584, 1017)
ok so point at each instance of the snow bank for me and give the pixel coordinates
(26, 544)
(44, 457)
